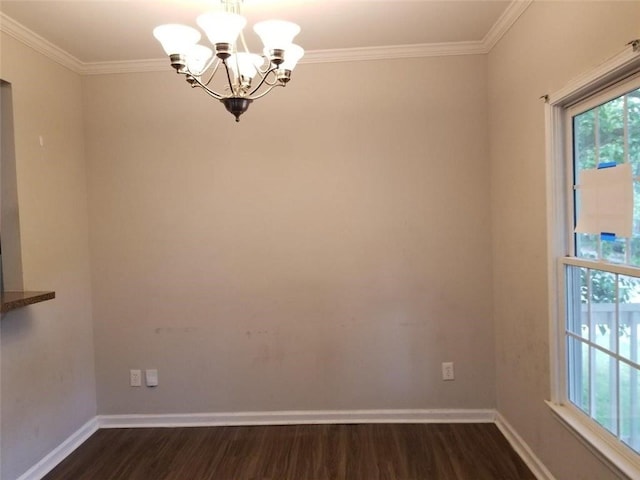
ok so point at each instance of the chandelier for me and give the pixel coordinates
(245, 76)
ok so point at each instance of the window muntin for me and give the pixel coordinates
(602, 329)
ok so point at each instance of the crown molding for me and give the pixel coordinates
(393, 51)
(504, 23)
(499, 29)
(310, 57)
(31, 39)
(129, 66)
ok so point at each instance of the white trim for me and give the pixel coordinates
(31, 39)
(602, 444)
(511, 14)
(393, 52)
(618, 89)
(504, 23)
(620, 269)
(614, 69)
(556, 233)
(310, 57)
(522, 449)
(62, 451)
(131, 66)
(295, 418)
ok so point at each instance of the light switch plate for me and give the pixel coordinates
(151, 377)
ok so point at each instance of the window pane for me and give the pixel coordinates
(578, 374)
(605, 398)
(633, 139)
(603, 308)
(634, 259)
(587, 246)
(584, 142)
(630, 406)
(629, 327)
(585, 157)
(633, 111)
(615, 251)
(611, 131)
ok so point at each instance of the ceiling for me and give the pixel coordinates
(96, 31)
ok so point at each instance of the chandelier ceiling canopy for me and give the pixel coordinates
(245, 76)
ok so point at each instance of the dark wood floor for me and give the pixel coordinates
(297, 452)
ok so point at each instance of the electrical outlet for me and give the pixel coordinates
(135, 378)
(447, 371)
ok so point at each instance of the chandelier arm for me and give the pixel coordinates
(213, 72)
(226, 67)
(271, 87)
(276, 82)
(213, 94)
(268, 69)
(207, 89)
(196, 82)
(262, 81)
(262, 74)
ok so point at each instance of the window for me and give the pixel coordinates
(602, 330)
(593, 133)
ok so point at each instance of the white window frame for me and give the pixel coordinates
(559, 206)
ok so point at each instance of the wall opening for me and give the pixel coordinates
(10, 249)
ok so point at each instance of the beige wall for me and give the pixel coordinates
(552, 43)
(328, 252)
(47, 361)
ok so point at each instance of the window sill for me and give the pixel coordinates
(14, 300)
(605, 446)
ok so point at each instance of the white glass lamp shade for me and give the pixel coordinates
(222, 27)
(176, 38)
(276, 34)
(292, 56)
(197, 58)
(245, 64)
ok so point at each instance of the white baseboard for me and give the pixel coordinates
(296, 417)
(520, 446)
(56, 456)
(61, 452)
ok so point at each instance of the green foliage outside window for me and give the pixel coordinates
(603, 287)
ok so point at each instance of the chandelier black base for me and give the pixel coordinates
(236, 105)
